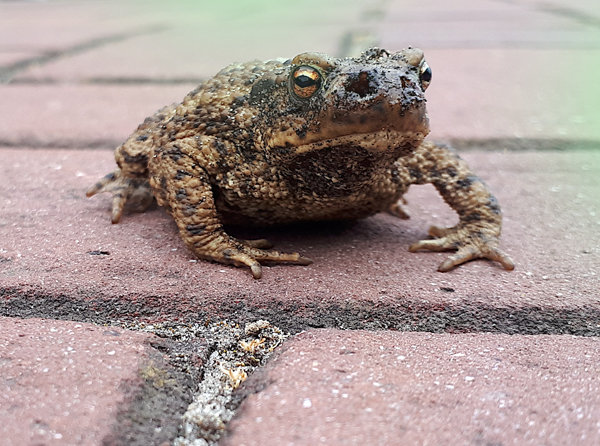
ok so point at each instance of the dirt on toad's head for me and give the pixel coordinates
(375, 102)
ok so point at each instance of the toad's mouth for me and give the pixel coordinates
(383, 141)
(378, 130)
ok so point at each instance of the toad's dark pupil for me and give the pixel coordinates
(426, 75)
(304, 81)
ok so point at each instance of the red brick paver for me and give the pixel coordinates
(79, 116)
(382, 388)
(59, 244)
(63, 382)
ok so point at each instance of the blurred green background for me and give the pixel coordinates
(523, 71)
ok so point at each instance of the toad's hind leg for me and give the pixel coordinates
(136, 191)
(129, 182)
(184, 189)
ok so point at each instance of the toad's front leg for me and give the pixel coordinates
(478, 231)
(183, 187)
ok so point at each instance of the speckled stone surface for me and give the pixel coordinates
(79, 116)
(64, 382)
(59, 249)
(382, 388)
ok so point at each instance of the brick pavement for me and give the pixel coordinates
(515, 74)
(70, 383)
(385, 388)
(144, 269)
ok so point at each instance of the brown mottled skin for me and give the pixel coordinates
(313, 138)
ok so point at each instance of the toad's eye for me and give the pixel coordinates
(305, 81)
(425, 74)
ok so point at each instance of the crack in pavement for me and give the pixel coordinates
(109, 81)
(295, 317)
(72, 144)
(523, 144)
(8, 72)
(460, 144)
(189, 397)
(574, 14)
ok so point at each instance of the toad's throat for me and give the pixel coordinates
(338, 171)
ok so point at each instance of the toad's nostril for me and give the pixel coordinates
(361, 85)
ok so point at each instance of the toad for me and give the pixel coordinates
(305, 139)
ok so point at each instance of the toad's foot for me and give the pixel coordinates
(137, 191)
(471, 242)
(398, 210)
(225, 249)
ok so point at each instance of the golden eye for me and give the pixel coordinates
(425, 74)
(305, 81)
